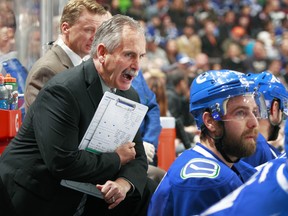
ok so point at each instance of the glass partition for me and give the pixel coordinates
(36, 25)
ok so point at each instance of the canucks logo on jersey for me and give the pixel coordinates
(200, 168)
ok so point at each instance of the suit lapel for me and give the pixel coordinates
(63, 57)
(93, 82)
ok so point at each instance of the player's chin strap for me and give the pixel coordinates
(219, 146)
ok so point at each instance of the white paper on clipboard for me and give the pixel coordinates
(115, 122)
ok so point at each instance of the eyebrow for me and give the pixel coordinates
(243, 107)
(133, 52)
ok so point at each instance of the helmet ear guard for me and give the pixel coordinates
(215, 112)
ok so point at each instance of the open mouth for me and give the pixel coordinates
(129, 74)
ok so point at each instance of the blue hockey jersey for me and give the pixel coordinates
(196, 180)
(266, 193)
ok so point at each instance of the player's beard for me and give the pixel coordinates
(273, 132)
(239, 146)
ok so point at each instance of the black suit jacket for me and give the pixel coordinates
(46, 148)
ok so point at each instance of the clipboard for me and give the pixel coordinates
(115, 122)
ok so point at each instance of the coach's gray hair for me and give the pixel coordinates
(110, 32)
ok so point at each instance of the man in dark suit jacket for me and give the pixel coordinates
(78, 24)
(6, 206)
(46, 148)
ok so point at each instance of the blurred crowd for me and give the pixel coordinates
(185, 38)
(244, 35)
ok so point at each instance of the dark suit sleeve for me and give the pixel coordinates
(60, 117)
(58, 133)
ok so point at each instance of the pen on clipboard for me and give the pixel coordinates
(125, 104)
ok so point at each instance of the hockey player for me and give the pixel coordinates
(276, 99)
(226, 109)
(265, 194)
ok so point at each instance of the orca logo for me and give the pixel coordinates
(199, 168)
(201, 78)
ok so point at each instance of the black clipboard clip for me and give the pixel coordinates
(125, 105)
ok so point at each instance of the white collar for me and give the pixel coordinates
(203, 151)
(75, 58)
(104, 86)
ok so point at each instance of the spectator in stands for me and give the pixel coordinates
(211, 43)
(177, 12)
(233, 58)
(189, 43)
(158, 8)
(226, 24)
(235, 36)
(178, 105)
(157, 84)
(137, 10)
(261, 18)
(270, 45)
(169, 30)
(244, 19)
(259, 61)
(155, 54)
(172, 51)
(205, 11)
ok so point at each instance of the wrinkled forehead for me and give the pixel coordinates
(247, 101)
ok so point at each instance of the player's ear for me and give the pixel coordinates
(65, 27)
(209, 122)
(275, 113)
